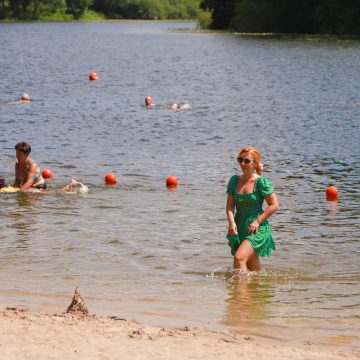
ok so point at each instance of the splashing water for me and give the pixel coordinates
(228, 274)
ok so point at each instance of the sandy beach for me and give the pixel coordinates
(27, 334)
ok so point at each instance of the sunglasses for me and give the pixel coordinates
(246, 161)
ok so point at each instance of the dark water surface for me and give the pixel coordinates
(137, 250)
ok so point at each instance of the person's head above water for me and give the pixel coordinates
(25, 97)
(175, 107)
(149, 101)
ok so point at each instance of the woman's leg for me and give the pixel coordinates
(253, 263)
(245, 258)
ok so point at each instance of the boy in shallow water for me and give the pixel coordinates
(27, 171)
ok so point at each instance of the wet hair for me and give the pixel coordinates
(2, 182)
(255, 155)
(24, 147)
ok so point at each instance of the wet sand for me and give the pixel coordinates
(26, 334)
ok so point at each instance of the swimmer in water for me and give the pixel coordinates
(180, 107)
(175, 107)
(27, 171)
(149, 103)
(25, 97)
(75, 187)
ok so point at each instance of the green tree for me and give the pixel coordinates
(77, 7)
(113, 9)
(222, 12)
(277, 16)
(147, 9)
(286, 16)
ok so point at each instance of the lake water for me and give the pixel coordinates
(139, 251)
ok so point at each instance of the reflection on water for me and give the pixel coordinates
(23, 220)
(23, 231)
(296, 100)
(332, 208)
(247, 303)
(29, 200)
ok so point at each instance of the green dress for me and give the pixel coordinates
(248, 208)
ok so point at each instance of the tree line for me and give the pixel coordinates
(340, 17)
(111, 9)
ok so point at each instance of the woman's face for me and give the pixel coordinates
(246, 162)
(20, 155)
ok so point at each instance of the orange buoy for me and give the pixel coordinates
(47, 174)
(110, 179)
(93, 76)
(332, 193)
(171, 182)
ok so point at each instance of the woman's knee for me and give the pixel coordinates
(244, 252)
(240, 257)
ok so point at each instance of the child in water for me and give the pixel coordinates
(27, 171)
(74, 187)
(28, 176)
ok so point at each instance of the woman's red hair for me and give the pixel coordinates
(256, 155)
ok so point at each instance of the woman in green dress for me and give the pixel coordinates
(249, 232)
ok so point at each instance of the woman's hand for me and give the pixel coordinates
(254, 226)
(232, 229)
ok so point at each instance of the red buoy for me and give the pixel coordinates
(93, 76)
(332, 193)
(110, 179)
(47, 174)
(171, 182)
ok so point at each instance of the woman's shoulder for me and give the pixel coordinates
(232, 185)
(264, 185)
(262, 179)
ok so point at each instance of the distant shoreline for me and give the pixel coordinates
(283, 36)
(94, 20)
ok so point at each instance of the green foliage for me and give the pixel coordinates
(90, 15)
(77, 7)
(204, 19)
(31, 9)
(146, 9)
(222, 12)
(278, 16)
(286, 16)
(112, 9)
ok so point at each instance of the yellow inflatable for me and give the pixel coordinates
(9, 189)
